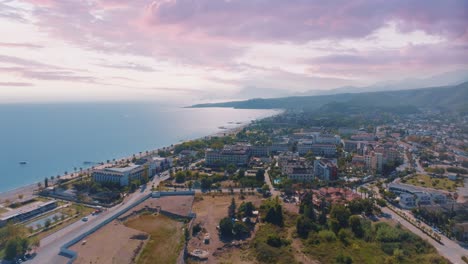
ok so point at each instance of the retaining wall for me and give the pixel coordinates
(73, 255)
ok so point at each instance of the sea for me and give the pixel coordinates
(54, 138)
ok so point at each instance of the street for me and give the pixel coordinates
(50, 245)
(450, 249)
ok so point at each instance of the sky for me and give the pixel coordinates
(202, 50)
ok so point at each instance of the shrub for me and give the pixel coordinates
(345, 235)
(274, 241)
(196, 228)
(327, 236)
(342, 259)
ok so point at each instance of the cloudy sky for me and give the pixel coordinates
(58, 50)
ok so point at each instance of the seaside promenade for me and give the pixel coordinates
(28, 191)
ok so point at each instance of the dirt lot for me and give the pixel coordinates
(180, 205)
(166, 238)
(114, 243)
(210, 210)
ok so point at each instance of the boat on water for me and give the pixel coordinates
(88, 162)
(23, 162)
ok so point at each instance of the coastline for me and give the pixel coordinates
(28, 190)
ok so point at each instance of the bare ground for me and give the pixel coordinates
(112, 244)
(166, 238)
(180, 205)
(210, 210)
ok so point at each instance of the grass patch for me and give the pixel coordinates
(166, 238)
(435, 183)
(3, 210)
(393, 246)
(71, 212)
(265, 251)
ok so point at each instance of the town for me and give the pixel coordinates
(284, 185)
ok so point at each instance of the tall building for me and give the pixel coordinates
(325, 169)
(374, 161)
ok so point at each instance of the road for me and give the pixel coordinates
(450, 249)
(273, 191)
(50, 245)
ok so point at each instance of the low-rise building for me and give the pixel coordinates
(27, 212)
(407, 200)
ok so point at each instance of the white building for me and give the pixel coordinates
(121, 175)
(236, 154)
(407, 200)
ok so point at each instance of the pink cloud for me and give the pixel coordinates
(20, 45)
(16, 84)
(213, 34)
(304, 20)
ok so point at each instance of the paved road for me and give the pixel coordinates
(450, 249)
(50, 245)
(270, 184)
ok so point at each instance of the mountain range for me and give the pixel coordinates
(446, 98)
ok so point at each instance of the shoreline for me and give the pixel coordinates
(29, 189)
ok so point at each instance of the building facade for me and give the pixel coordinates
(325, 170)
(231, 154)
(121, 175)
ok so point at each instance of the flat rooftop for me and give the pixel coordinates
(123, 169)
(25, 209)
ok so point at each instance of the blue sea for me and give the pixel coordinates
(54, 138)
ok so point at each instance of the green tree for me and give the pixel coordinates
(231, 168)
(47, 223)
(246, 209)
(260, 175)
(232, 209)
(225, 227)
(180, 177)
(304, 225)
(240, 229)
(356, 225)
(241, 174)
(12, 249)
(274, 212)
(341, 214)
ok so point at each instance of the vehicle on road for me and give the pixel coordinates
(85, 219)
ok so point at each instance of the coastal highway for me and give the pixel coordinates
(50, 245)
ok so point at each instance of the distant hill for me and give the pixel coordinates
(451, 98)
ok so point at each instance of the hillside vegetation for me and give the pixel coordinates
(451, 98)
